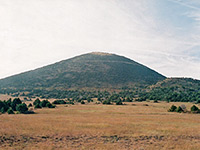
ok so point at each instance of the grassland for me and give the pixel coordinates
(142, 126)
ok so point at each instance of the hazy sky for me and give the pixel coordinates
(161, 34)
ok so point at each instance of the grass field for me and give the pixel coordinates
(91, 126)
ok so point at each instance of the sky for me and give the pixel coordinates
(161, 34)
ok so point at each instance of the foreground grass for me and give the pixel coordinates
(102, 127)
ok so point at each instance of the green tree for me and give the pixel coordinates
(194, 109)
(10, 111)
(82, 102)
(49, 105)
(37, 101)
(44, 103)
(22, 108)
(172, 108)
(15, 102)
(119, 102)
(179, 109)
(3, 110)
(106, 102)
(37, 105)
(30, 105)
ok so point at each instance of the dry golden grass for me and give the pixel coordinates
(102, 127)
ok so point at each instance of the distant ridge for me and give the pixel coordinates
(92, 70)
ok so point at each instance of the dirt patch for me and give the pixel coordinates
(85, 141)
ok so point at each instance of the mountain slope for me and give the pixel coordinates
(95, 70)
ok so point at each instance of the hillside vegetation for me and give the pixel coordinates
(93, 70)
(175, 89)
(108, 77)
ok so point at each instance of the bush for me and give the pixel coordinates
(15, 102)
(179, 110)
(37, 101)
(10, 111)
(37, 106)
(30, 105)
(44, 103)
(106, 102)
(195, 109)
(59, 102)
(172, 109)
(119, 102)
(22, 108)
(49, 105)
(3, 110)
(82, 102)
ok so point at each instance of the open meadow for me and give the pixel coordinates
(137, 125)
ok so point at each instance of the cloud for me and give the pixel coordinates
(163, 35)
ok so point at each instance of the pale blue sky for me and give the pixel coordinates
(161, 34)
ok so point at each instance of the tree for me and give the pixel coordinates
(3, 107)
(155, 101)
(37, 106)
(22, 108)
(37, 101)
(15, 102)
(172, 109)
(59, 102)
(82, 102)
(9, 102)
(49, 105)
(106, 102)
(179, 109)
(119, 102)
(10, 111)
(195, 109)
(30, 105)
(44, 103)
(3, 110)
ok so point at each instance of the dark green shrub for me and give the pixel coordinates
(44, 103)
(37, 106)
(49, 105)
(37, 101)
(179, 110)
(9, 102)
(82, 102)
(15, 102)
(119, 102)
(106, 102)
(22, 108)
(3, 110)
(10, 111)
(30, 105)
(59, 102)
(172, 109)
(195, 109)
